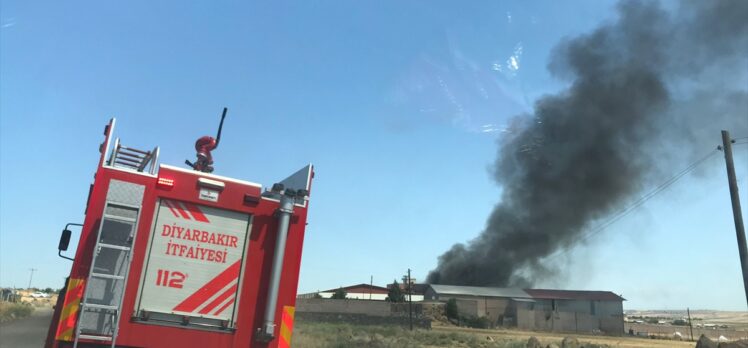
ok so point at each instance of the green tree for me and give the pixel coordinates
(339, 294)
(395, 294)
(451, 309)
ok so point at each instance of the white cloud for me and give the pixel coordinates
(7, 23)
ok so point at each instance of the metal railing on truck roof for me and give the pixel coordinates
(133, 159)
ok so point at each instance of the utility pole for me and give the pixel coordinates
(690, 326)
(410, 303)
(371, 285)
(32, 276)
(736, 211)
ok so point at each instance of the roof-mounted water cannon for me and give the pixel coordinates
(204, 145)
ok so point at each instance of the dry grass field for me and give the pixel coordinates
(38, 302)
(12, 311)
(713, 324)
(315, 334)
(547, 338)
(732, 319)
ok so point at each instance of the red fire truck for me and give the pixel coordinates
(175, 257)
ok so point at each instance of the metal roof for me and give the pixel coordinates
(479, 291)
(362, 287)
(517, 294)
(522, 299)
(550, 294)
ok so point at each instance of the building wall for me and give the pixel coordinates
(611, 317)
(430, 295)
(366, 296)
(573, 316)
(414, 298)
(467, 308)
(357, 295)
(525, 315)
(547, 315)
(366, 312)
(363, 319)
(373, 308)
(499, 311)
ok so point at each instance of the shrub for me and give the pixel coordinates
(394, 294)
(450, 310)
(339, 294)
(477, 322)
(10, 311)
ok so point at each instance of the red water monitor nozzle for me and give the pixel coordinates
(204, 145)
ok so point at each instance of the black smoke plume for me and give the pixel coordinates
(649, 84)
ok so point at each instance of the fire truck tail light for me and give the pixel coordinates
(165, 182)
(208, 183)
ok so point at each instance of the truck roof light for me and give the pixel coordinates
(214, 184)
(249, 198)
(165, 182)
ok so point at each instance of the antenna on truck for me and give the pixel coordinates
(204, 145)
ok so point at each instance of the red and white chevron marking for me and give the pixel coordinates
(216, 295)
(184, 210)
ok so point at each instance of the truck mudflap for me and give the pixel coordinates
(286, 327)
(69, 310)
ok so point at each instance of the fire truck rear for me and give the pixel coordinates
(175, 257)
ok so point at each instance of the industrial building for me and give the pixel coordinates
(536, 309)
(358, 291)
(364, 292)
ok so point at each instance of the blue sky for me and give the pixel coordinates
(399, 106)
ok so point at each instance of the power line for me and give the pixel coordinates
(638, 203)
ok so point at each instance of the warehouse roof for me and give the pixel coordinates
(549, 294)
(514, 293)
(479, 291)
(363, 288)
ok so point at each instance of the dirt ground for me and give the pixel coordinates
(318, 334)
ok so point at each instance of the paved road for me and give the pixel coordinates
(28, 332)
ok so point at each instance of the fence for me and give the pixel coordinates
(360, 312)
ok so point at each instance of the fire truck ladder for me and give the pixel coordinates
(133, 159)
(100, 308)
